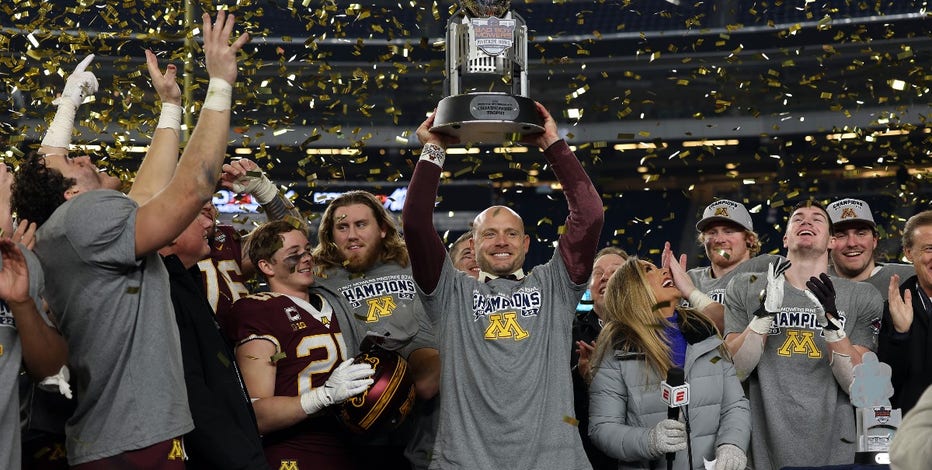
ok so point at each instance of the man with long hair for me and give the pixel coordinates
(362, 258)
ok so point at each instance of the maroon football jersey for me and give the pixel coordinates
(307, 351)
(223, 278)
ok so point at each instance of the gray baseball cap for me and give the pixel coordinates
(850, 210)
(725, 210)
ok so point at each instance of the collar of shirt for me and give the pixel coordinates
(515, 276)
(926, 302)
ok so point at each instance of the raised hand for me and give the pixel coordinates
(584, 350)
(243, 176)
(773, 296)
(551, 133)
(425, 136)
(165, 84)
(677, 268)
(25, 233)
(822, 293)
(772, 299)
(79, 85)
(219, 54)
(14, 274)
(901, 306)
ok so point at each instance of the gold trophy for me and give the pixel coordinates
(486, 50)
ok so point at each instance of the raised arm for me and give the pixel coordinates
(78, 86)
(6, 201)
(159, 164)
(169, 212)
(244, 176)
(697, 299)
(580, 239)
(424, 245)
(44, 349)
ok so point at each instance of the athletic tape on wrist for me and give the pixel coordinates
(219, 95)
(59, 133)
(433, 153)
(170, 118)
(699, 300)
(832, 336)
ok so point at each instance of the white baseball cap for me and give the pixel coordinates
(725, 210)
(850, 210)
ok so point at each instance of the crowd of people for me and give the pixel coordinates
(138, 311)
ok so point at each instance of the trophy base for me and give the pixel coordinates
(487, 117)
(870, 458)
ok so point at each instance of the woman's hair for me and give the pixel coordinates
(633, 324)
(38, 190)
(327, 255)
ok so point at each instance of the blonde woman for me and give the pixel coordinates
(648, 333)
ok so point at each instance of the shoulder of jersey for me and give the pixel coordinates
(262, 296)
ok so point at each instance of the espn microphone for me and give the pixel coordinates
(675, 393)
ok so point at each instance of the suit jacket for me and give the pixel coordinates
(586, 328)
(909, 354)
(225, 434)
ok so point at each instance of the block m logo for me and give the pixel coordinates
(505, 325)
(380, 307)
(799, 342)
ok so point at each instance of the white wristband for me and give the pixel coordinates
(698, 300)
(219, 95)
(59, 133)
(433, 153)
(170, 117)
(761, 325)
(833, 336)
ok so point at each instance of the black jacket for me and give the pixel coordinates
(586, 328)
(909, 354)
(225, 434)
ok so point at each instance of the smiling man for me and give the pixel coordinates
(289, 345)
(853, 245)
(726, 231)
(801, 342)
(586, 328)
(905, 335)
(506, 391)
(462, 255)
(363, 259)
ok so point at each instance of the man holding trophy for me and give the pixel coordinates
(506, 394)
(486, 50)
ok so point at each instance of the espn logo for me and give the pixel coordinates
(674, 395)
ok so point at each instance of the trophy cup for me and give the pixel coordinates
(486, 50)
(876, 421)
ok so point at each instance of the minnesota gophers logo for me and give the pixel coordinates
(848, 213)
(722, 212)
